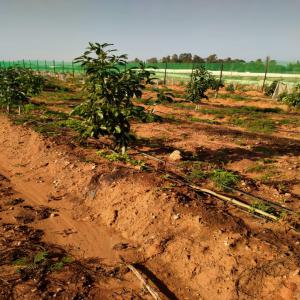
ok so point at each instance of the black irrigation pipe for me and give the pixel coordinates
(272, 203)
(239, 204)
(184, 181)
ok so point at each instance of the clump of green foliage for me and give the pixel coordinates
(224, 179)
(201, 81)
(255, 124)
(125, 158)
(263, 206)
(197, 172)
(230, 88)
(17, 85)
(292, 99)
(270, 89)
(164, 96)
(110, 89)
(40, 262)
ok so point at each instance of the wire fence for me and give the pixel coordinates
(53, 66)
(251, 67)
(257, 72)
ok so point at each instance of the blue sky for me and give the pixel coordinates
(61, 29)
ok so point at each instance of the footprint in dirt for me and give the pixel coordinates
(15, 201)
(25, 218)
(30, 214)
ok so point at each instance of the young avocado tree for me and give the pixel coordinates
(201, 81)
(110, 88)
(17, 85)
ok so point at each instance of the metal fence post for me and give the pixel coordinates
(266, 71)
(165, 77)
(73, 70)
(220, 79)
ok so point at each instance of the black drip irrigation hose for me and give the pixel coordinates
(238, 203)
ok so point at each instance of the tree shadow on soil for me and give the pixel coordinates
(159, 283)
(279, 147)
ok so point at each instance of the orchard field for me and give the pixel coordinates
(202, 201)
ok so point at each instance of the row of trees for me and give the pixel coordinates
(109, 108)
(109, 92)
(189, 58)
(17, 85)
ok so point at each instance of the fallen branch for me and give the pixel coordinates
(212, 193)
(153, 293)
(229, 199)
(236, 202)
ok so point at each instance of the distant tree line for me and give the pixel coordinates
(230, 64)
(189, 58)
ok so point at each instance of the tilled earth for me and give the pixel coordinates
(34, 269)
(70, 218)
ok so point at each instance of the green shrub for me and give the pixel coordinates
(230, 88)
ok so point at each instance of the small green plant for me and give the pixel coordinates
(282, 187)
(196, 174)
(201, 81)
(41, 261)
(267, 177)
(263, 206)
(60, 264)
(255, 125)
(28, 108)
(224, 179)
(125, 158)
(206, 121)
(256, 168)
(230, 88)
(164, 96)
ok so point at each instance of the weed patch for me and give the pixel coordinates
(224, 179)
